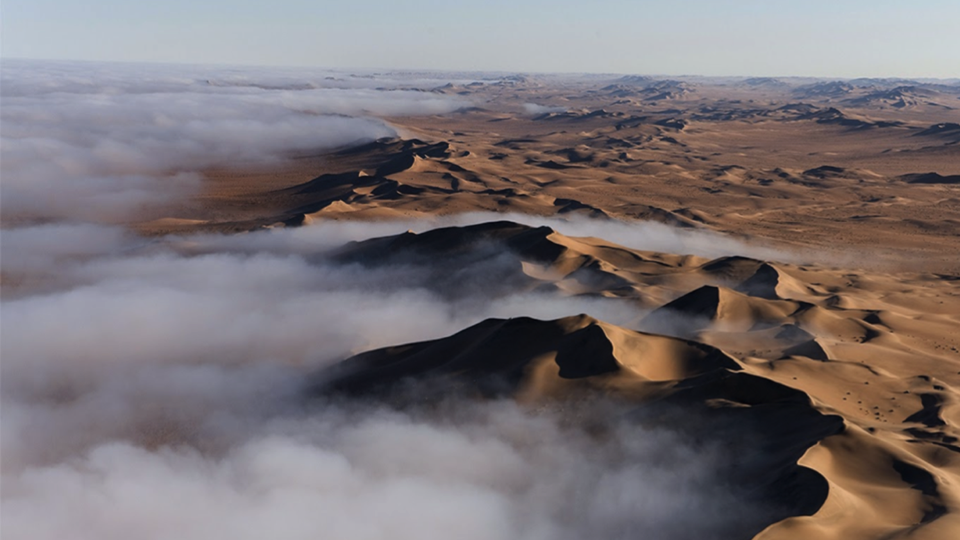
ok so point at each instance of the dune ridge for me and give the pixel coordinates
(761, 332)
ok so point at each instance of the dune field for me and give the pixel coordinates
(491, 306)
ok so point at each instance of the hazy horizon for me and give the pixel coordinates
(492, 74)
(811, 39)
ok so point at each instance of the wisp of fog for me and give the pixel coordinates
(99, 142)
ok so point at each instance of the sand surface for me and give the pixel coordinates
(861, 179)
(840, 351)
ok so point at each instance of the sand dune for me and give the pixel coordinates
(745, 160)
(871, 421)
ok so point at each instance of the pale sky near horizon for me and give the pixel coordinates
(837, 38)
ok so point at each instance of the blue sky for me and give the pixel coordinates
(838, 38)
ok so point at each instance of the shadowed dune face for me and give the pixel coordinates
(296, 304)
(693, 387)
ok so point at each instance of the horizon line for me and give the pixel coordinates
(466, 70)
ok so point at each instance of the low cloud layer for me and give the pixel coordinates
(535, 109)
(37, 77)
(648, 236)
(87, 306)
(101, 145)
(641, 235)
(237, 301)
(487, 472)
(154, 388)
